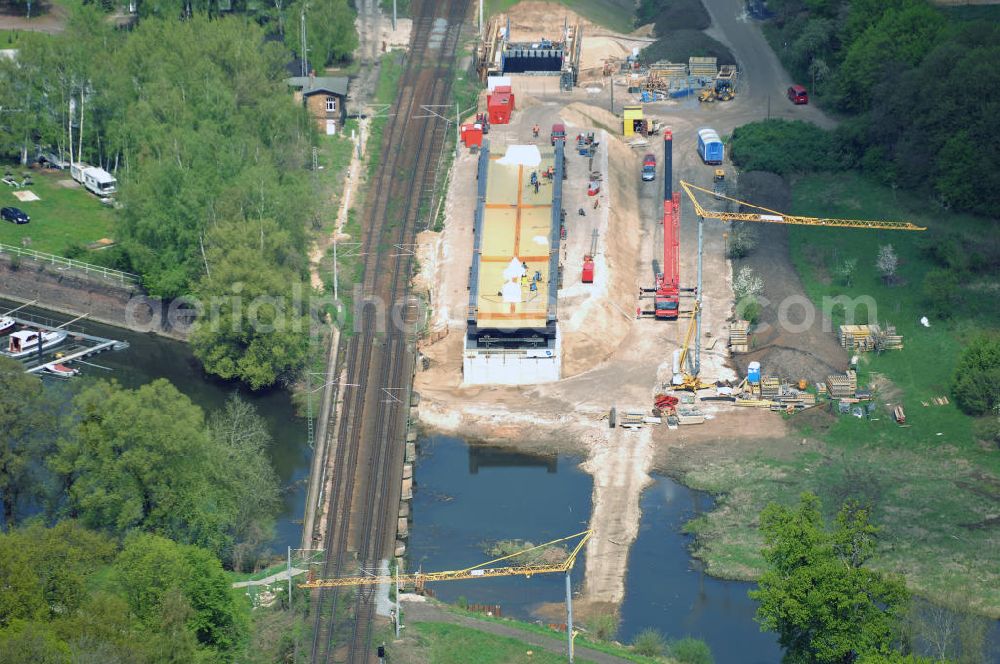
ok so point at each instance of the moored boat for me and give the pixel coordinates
(61, 370)
(6, 324)
(25, 342)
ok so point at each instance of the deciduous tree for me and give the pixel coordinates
(817, 593)
(28, 422)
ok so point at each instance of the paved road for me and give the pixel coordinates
(431, 612)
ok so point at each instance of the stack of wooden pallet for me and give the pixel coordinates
(888, 340)
(842, 386)
(668, 70)
(866, 338)
(738, 333)
(703, 67)
(770, 387)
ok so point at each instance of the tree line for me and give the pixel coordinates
(134, 503)
(195, 119)
(915, 89)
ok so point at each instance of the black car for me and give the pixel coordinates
(14, 215)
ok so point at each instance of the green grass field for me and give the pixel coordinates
(933, 487)
(452, 644)
(10, 38)
(64, 217)
(617, 15)
(580, 641)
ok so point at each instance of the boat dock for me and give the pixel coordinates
(78, 345)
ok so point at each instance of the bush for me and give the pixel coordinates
(743, 238)
(650, 643)
(941, 290)
(976, 385)
(603, 627)
(691, 651)
(783, 147)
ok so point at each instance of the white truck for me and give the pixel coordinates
(96, 180)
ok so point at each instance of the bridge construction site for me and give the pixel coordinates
(580, 299)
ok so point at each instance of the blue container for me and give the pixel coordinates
(710, 146)
(753, 372)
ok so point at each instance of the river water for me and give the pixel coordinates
(467, 495)
(150, 357)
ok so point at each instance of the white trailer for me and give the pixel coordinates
(96, 180)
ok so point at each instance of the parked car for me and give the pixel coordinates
(648, 168)
(14, 215)
(798, 95)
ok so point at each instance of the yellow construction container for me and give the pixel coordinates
(631, 118)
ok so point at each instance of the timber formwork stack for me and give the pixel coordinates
(739, 336)
(867, 338)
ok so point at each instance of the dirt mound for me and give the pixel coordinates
(679, 45)
(668, 15)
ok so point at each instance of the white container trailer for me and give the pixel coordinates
(96, 180)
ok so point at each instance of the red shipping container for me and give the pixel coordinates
(499, 105)
(472, 135)
(588, 270)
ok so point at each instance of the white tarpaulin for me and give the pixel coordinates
(521, 155)
(493, 81)
(511, 292)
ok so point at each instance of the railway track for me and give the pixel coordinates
(378, 360)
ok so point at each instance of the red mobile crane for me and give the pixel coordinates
(666, 298)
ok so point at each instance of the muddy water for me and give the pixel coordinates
(466, 495)
(149, 357)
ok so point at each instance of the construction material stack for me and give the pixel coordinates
(866, 338)
(738, 336)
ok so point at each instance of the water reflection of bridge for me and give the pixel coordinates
(488, 456)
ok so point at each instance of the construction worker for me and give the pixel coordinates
(534, 131)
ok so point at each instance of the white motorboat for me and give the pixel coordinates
(25, 342)
(60, 370)
(6, 324)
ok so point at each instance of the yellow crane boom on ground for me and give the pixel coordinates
(765, 215)
(480, 571)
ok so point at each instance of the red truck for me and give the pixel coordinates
(558, 133)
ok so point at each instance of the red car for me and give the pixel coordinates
(798, 95)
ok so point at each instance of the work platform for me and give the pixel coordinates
(512, 336)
